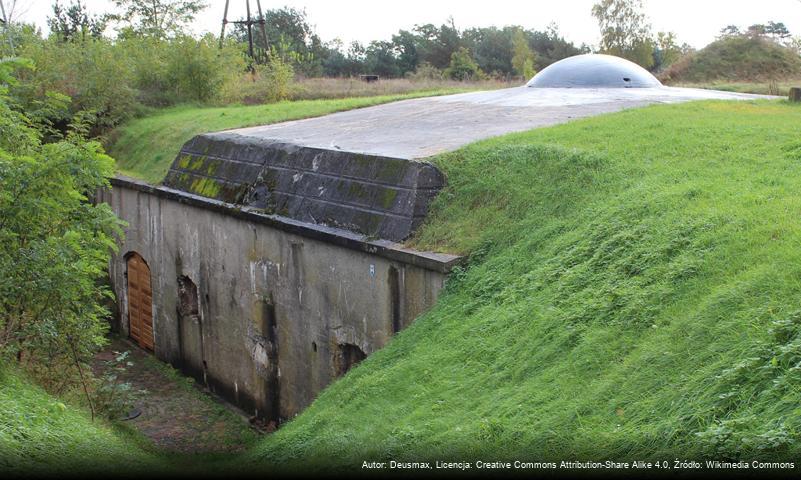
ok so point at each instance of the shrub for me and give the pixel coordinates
(272, 82)
(54, 243)
(425, 71)
(196, 69)
(462, 66)
(93, 73)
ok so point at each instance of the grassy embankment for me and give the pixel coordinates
(738, 64)
(145, 147)
(779, 88)
(632, 293)
(41, 434)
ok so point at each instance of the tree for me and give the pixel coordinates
(550, 46)
(625, 31)
(75, 22)
(730, 31)
(491, 48)
(157, 18)
(523, 58)
(756, 30)
(777, 30)
(380, 59)
(405, 46)
(667, 50)
(54, 243)
(462, 66)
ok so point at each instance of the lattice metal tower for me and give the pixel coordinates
(249, 22)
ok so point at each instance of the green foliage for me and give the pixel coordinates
(115, 80)
(92, 73)
(667, 50)
(74, 22)
(41, 435)
(114, 398)
(736, 58)
(462, 66)
(54, 244)
(630, 292)
(156, 18)
(523, 58)
(196, 69)
(625, 31)
(266, 84)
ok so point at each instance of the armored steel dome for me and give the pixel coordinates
(594, 71)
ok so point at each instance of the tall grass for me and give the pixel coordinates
(632, 292)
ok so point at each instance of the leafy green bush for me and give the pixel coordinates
(197, 69)
(462, 66)
(54, 243)
(93, 73)
(268, 83)
(115, 80)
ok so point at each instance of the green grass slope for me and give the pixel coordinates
(733, 59)
(40, 435)
(146, 147)
(632, 292)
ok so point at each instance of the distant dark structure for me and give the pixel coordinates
(594, 71)
(259, 56)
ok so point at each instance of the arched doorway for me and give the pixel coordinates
(140, 302)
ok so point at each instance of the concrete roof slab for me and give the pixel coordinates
(419, 128)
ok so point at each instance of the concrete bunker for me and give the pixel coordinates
(272, 255)
(594, 70)
(274, 268)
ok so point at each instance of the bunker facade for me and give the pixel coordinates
(267, 263)
(264, 310)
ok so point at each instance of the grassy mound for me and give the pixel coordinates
(632, 292)
(146, 147)
(734, 59)
(40, 435)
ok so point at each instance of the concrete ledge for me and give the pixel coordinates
(379, 196)
(438, 262)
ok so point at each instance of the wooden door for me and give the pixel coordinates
(140, 302)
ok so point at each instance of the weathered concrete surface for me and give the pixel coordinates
(377, 196)
(279, 301)
(360, 170)
(419, 128)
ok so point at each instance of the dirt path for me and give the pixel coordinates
(176, 414)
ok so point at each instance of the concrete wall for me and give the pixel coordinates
(276, 300)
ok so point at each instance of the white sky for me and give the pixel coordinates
(696, 22)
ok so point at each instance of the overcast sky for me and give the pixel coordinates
(694, 21)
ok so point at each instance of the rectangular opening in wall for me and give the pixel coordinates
(394, 298)
(269, 326)
(269, 330)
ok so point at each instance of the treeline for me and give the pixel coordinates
(113, 66)
(428, 49)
